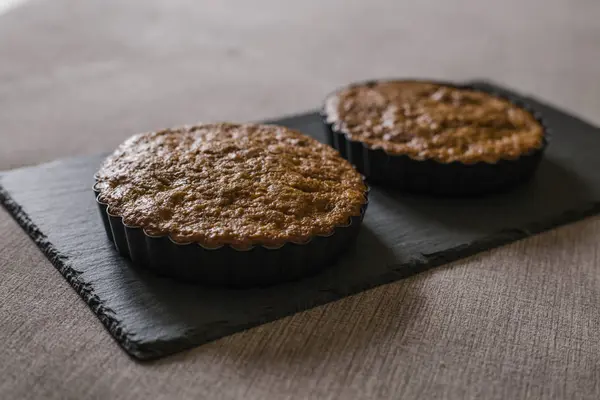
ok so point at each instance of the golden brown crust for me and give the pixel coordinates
(241, 185)
(432, 121)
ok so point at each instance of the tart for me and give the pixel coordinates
(435, 137)
(230, 204)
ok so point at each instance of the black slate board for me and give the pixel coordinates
(152, 317)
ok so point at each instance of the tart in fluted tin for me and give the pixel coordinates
(436, 138)
(230, 204)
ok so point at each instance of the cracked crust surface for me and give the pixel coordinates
(433, 121)
(237, 184)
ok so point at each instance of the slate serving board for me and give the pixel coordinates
(151, 317)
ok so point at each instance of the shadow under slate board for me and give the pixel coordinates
(152, 317)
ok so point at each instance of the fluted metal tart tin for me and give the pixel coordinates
(434, 177)
(227, 265)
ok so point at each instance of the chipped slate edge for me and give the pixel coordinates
(61, 263)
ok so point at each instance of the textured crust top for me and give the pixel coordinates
(432, 121)
(231, 184)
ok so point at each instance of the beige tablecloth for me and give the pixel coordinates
(78, 77)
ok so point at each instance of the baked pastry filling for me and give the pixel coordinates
(237, 184)
(432, 121)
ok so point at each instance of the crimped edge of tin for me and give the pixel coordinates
(512, 99)
(150, 247)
